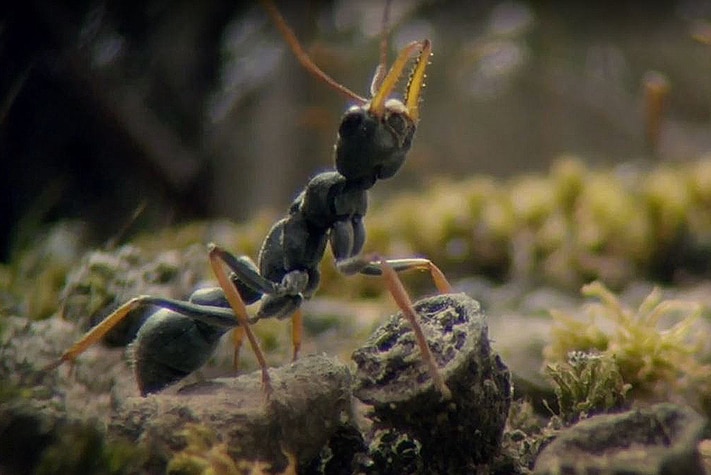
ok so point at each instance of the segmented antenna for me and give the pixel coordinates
(303, 57)
(382, 67)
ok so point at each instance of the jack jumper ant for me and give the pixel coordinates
(374, 137)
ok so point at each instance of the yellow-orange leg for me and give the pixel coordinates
(372, 265)
(402, 299)
(297, 332)
(240, 309)
(440, 281)
(97, 333)
(237, 340)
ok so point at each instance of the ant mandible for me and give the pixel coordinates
(373, 139)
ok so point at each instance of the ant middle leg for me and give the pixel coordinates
(281, 298)
(219, 258)
(297, 330)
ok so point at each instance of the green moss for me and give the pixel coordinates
(570, 226)
(587, 384)
(657, 360)
(30, 284)
(81, 447)
(526, 434)
(574, 225)
(204, 454)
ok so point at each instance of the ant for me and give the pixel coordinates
(373, 140)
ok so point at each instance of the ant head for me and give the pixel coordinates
(371, 146)
(375, 136)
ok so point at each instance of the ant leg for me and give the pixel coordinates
(297, 331)
(237, 340)
(248, 277)
(246, 271)
(279, 301)
(402, 299)
(368, 266)
(96, 333)
(303, 57)
(218, 257)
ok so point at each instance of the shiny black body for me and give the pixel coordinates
(181, 336)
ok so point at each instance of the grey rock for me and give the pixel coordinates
(454, 435)
(310, 403)
(661, 439)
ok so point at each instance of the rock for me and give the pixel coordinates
(661, 439)
(450, 436)
(105, 279)
(310, 403)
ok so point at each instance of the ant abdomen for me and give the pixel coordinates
(169, 346)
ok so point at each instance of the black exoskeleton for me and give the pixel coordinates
(331, 209)
(373, 140)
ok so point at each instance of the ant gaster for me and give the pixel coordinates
(373, 140)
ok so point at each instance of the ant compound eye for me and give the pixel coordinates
(350, 124)
(399, 123)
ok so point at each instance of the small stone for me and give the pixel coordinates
(662, 439)
(456, 434)
(309, 404)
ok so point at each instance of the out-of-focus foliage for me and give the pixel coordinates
(568, 227)
(201, 109)
(571, 226)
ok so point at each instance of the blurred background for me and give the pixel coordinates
(198, 109)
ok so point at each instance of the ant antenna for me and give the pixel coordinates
(303, 57)
(380, 70)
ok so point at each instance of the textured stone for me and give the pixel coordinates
(661, 439)
(455, 434)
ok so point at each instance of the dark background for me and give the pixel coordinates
(198, 109)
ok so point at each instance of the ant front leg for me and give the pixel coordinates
(219, 258)
(373, 265)
(402, 299)
(369, 266)
(347, 239)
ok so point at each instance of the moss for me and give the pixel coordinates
(657, 361)
(37, 437)
(204, 454)
(570, 226)
(526, 434)
(587, 384)
(83, 448)
(30, 284)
